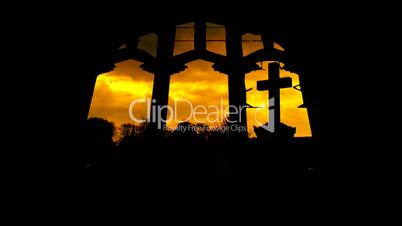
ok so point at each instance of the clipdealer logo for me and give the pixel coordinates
(199, 114)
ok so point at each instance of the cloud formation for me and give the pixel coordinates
(199, 83)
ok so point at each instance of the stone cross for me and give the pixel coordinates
(273, 85)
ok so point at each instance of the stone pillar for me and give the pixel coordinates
(274, 95)
(162, 71)
(85, 89)
(236, 76)
(200, 35)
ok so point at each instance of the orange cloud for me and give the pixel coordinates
(199, 83)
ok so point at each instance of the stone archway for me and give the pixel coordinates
(165, 63)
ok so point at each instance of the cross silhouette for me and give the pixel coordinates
(273, 85)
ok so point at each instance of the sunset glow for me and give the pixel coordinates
(199, 83)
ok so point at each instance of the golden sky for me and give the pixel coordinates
(199, 83)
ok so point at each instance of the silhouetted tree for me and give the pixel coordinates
(101, 128)
(220, 133)
(284, 134)
(186, 132)
(127, 131)
(98, 140)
